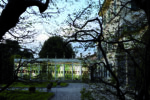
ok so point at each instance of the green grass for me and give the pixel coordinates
(54, 84)
(63, 84)
(35, 84)
(25, 95)
(31, 84)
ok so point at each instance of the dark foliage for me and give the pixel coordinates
(32, 89)
(13, 10)
(56, 47)
(8, 50)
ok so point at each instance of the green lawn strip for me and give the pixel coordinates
(30, 84)
(54, 84)
(25, 95)
(35, 84)
(63, 84)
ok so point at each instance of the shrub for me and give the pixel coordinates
(49, 86)
(32, 89)
(3, 98)
(63, 84)
(58, 82)
(85, 77)
(86, 95)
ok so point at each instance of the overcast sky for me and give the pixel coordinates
(49, 25)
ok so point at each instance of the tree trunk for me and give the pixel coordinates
(13, 10)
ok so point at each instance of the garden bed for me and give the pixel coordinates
(25, 95)
(36, 84)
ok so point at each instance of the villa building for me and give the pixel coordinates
(51, 69)
(123, 27)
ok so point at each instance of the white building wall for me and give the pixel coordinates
(112, 24)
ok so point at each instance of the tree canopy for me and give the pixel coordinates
(120, 43)
(17, 7)
(59, 47)
(56, 46)
(8, 49)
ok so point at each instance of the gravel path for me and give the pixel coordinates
(71, 92)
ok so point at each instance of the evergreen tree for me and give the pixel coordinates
(56, 46)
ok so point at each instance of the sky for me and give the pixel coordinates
(52, 24)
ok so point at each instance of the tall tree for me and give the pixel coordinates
(8, 50)
(56, 46)
(128, 45)
(26, 53)
(144, 91)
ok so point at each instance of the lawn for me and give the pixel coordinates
(24, 95)
(63, 84)
(35, 84)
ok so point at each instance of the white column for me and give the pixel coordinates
(64, 67)
(64, 71)
(81, 71)
(126, 69)
(55, 67)
(55, 71)
(39, 68)
(47, 70)
(47, 67)
(14, 68)
(72, 70)
(72, 65)
(100, 68)
(21, 71)
(30, 71)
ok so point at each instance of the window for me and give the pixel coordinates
(134, 6)
(105, 72)
(115, 6)
(104, 21)
(109, 15)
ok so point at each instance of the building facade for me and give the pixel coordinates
(123, 27)
(50, 69)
